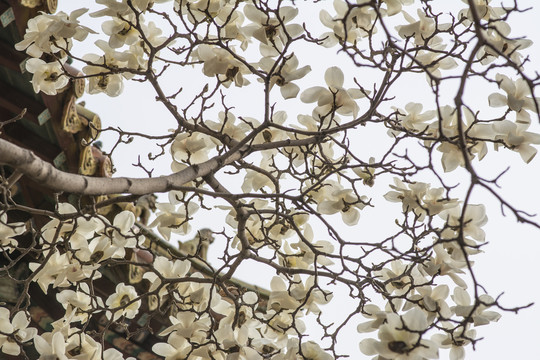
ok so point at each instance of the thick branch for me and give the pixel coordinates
(27, 163)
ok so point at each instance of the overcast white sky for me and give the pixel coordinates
(509, 264)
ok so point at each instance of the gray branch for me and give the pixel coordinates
(44, 173)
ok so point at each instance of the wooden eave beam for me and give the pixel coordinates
(11, 58)
(15, 101)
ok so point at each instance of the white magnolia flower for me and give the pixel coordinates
(484, 12)
(113, 354)
(8, 231)
(474, 218)
(283, 74)
(412, 117)
(516, 138)
(394, 7)
(419, 198)
(268, 29)
(190, 326)
(123, 234)
(16, 328)
(518, 94)
(121, 31)
(400, 277)
(62, 270)
(431, 299)
(228, 124)
(422, 29)
(173, 219)
(191, 148)
(345, 202)
(47, 33)
(51, 346)
(448, 261)
(455, 342)
(366, 173)
(359, 23)
(141, 49)
(335, 97)
(48, 77)
(176, 347)
(433, 61)
(500, 41)
(312, 350)
(378, 316)
(479, 313)
(83, 345)
(113, 8)
(169, 269)
(105, 70)
(221, 63)
(122, 302)
(395, 342)
(78, 304)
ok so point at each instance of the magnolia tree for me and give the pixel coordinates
(287, 186)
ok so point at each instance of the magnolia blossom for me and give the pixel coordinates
(456, 344)
(121, 31)
(358, 23)
(432, 300)
(514, 136)
(419, 198)
(394, 7)
(51, 346)
(284, 74)
(104, 72)
(479, 313)
(53, 33)
(400, 277)
(123, 302)
(306, 295)
(152, 38)
(500, 41)
(448, 260)
(377, 316)
(397, 342)
(434, 61)
(168, 269)
(345, 202)
(472, 220)
(269, 30)
(484, 12)
(518, 94)
(412, 118)
(8, 231)
(17, 329)
(79, 304)
(177, 347)
(221, 63)
(421, 30)
(173, 219)
(48, 77)
(192, 148)
(114, 8)
(335, 97)
(123, 234)
(227, 123)
(62, 270)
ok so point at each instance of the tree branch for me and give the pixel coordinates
(27, 163)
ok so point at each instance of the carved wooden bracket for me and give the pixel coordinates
(71, 121)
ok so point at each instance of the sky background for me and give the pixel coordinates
(509, 265)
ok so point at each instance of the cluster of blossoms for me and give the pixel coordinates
(292, 173)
